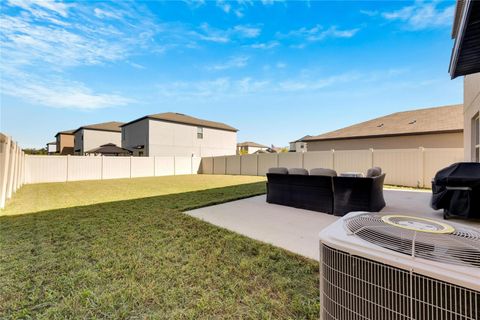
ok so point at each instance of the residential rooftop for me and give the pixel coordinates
(181, 118)
(444, 119)
(113, 126)
(66, 132)
(251, 144)
(301, 139)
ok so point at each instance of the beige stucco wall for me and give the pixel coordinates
(444, 140)
(471, 104)
(94, 138)
(65, 143)
(167, 139)
(135, 134)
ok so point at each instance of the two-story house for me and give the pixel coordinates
(94, 135)
(176, 134)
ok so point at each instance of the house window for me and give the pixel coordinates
(199, 133)
(476, 138)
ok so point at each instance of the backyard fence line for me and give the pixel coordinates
(39, 169)
(403, 167)
(12, 163)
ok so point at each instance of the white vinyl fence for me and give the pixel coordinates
(40, 169)
(12, 162)
(404, 167)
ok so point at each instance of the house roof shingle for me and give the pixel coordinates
(65, 132)
(422, 121)
(113, 126)
(185, 119)
(251, 144)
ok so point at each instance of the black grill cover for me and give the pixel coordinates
(456, 189)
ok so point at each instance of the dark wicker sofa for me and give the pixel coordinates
(334, 195)
(358, 194)
(301, 191)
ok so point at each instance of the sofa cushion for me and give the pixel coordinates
(298, 171)
(374, 172)
(323, 172)
(278, 170)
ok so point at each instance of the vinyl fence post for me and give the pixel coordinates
(102, 166)
(240, 173)
(371, 158)
(130, 167)
(11, 169)
(68, 165)
(154, 166)
(4, 161)
(421, 167)
(15, 170)
(333, 159)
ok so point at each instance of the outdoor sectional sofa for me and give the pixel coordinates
(323, 191)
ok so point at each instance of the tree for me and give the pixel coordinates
(35, 151)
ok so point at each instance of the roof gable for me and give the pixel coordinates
(421, 121)
(185, 119)
(112, 126)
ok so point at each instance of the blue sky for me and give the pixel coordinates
(275, 70)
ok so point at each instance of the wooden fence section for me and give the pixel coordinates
(40, 169)
(404, 167)
(12, 162)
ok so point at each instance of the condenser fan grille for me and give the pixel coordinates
(357, 288)
(418, 237)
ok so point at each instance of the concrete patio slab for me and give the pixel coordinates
(297, 230)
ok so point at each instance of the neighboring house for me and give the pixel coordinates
(176, 134)
(51, 147)
(440, 127)
(465, 61)
(299, 145)
(109, 149)
(65, 142)
(95, 135)
(249, 147)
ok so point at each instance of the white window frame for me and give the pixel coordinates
(199, 132)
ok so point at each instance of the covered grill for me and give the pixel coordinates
(456, 190)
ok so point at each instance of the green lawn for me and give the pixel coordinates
(103, 257)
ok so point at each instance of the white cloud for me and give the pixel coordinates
(317, 84)
(208, 33)
(281, 65)
(239, 13)
(225, 6)
(100, 13)
(247, 32)
(370, 13)
(422, 15)
(265, 45)
(41, 8)
(317, 33)
(56, 92)
(223, 87)
(233, 62)
(42, 40)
